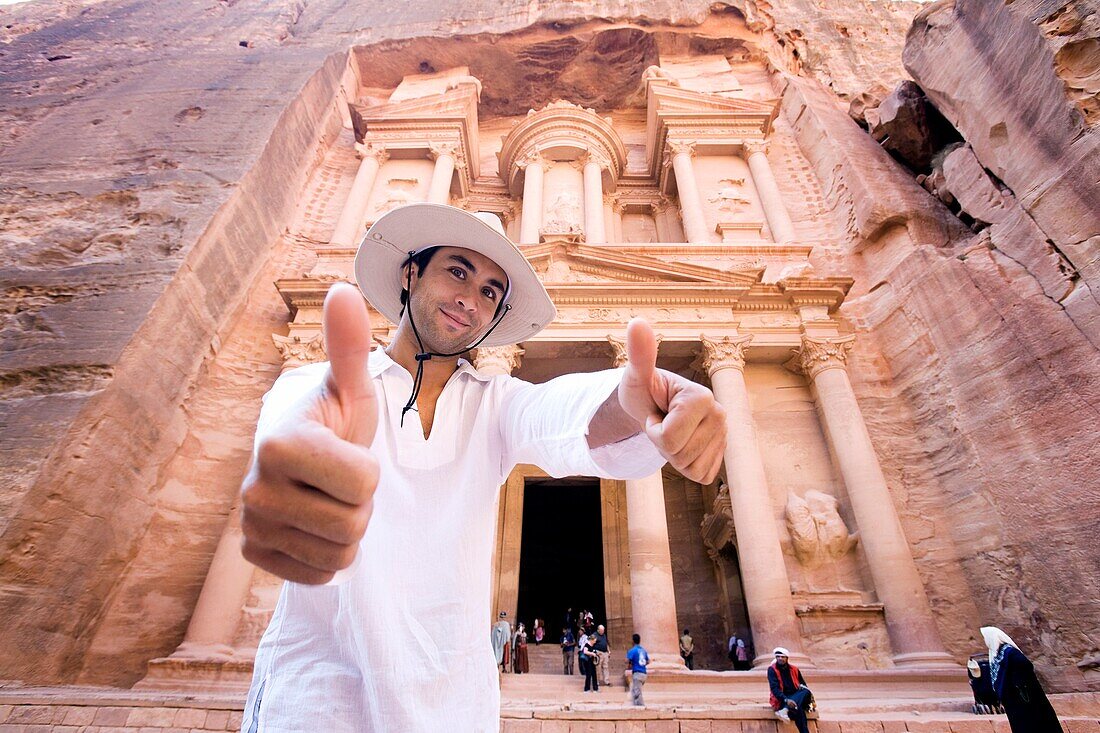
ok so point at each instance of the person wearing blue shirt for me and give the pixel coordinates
(638, 658)
(568, 647)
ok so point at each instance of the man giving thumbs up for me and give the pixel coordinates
(375, 475)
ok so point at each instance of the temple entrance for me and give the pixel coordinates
(561, 556)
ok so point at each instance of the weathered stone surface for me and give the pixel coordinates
(960, 349)
(1011, 230)
(1019, 81)
(909, 127)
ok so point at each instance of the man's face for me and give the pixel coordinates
(781, 660)
(455, 298)
(600, 628)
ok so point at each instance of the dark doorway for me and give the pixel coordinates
(561, 556)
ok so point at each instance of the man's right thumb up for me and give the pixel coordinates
(348, 343)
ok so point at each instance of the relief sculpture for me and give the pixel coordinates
(563, 215)
(817, 530)
(729, 198)
(399, 191)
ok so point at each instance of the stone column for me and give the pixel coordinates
(661, 221)
(347, 231)
(617, 219)
(609, 225)
(223, 595)
(763, 572)
(909, 619)
(594, 231)
(652, 594)
(779, 221)
(493, 361)
(691, 206)
(531, 218)
(445, 155)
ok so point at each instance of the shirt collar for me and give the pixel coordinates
(380, 361)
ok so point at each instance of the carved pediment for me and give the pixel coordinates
(666, 98)
(578, 263)
(454, 103)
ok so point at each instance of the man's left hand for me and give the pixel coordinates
(681, 417)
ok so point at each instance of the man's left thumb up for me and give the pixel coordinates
(641, 373)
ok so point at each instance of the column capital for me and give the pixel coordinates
(443, 147)
(751, 147)
(818, 354)
(508, 213)
(725, 354)
(298, 351)
(370, 150)
(676, 147)
(506, 359)
(619, 346)
(594, 156)
(615, 202)
(531, 158)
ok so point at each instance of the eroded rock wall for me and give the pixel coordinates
(978, 376)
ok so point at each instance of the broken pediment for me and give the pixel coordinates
(663, 97)
(578, 263)
(458, 101)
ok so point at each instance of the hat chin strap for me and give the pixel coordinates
(422, 354)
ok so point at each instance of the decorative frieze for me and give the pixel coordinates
(725, 354)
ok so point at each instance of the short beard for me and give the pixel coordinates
(432, 337)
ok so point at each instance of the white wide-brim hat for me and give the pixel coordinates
(415, 227)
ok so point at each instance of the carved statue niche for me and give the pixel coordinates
(817, 530)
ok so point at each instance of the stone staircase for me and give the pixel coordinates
(554, 704)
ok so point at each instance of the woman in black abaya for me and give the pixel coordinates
(1015, 683)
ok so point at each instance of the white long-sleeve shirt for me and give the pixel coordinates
(401, 645)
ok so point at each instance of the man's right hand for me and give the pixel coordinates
(306, 500)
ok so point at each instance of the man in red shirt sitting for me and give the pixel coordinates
(790, 697)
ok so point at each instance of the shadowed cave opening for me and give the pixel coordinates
(561, 555)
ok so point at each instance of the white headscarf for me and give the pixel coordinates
(994, 639)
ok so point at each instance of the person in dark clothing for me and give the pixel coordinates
(588, 653)
(568, 648)
(985, 698)
(603, 663)
(1015, 683)
(790, 697)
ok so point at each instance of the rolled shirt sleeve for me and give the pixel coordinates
(547, 425)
